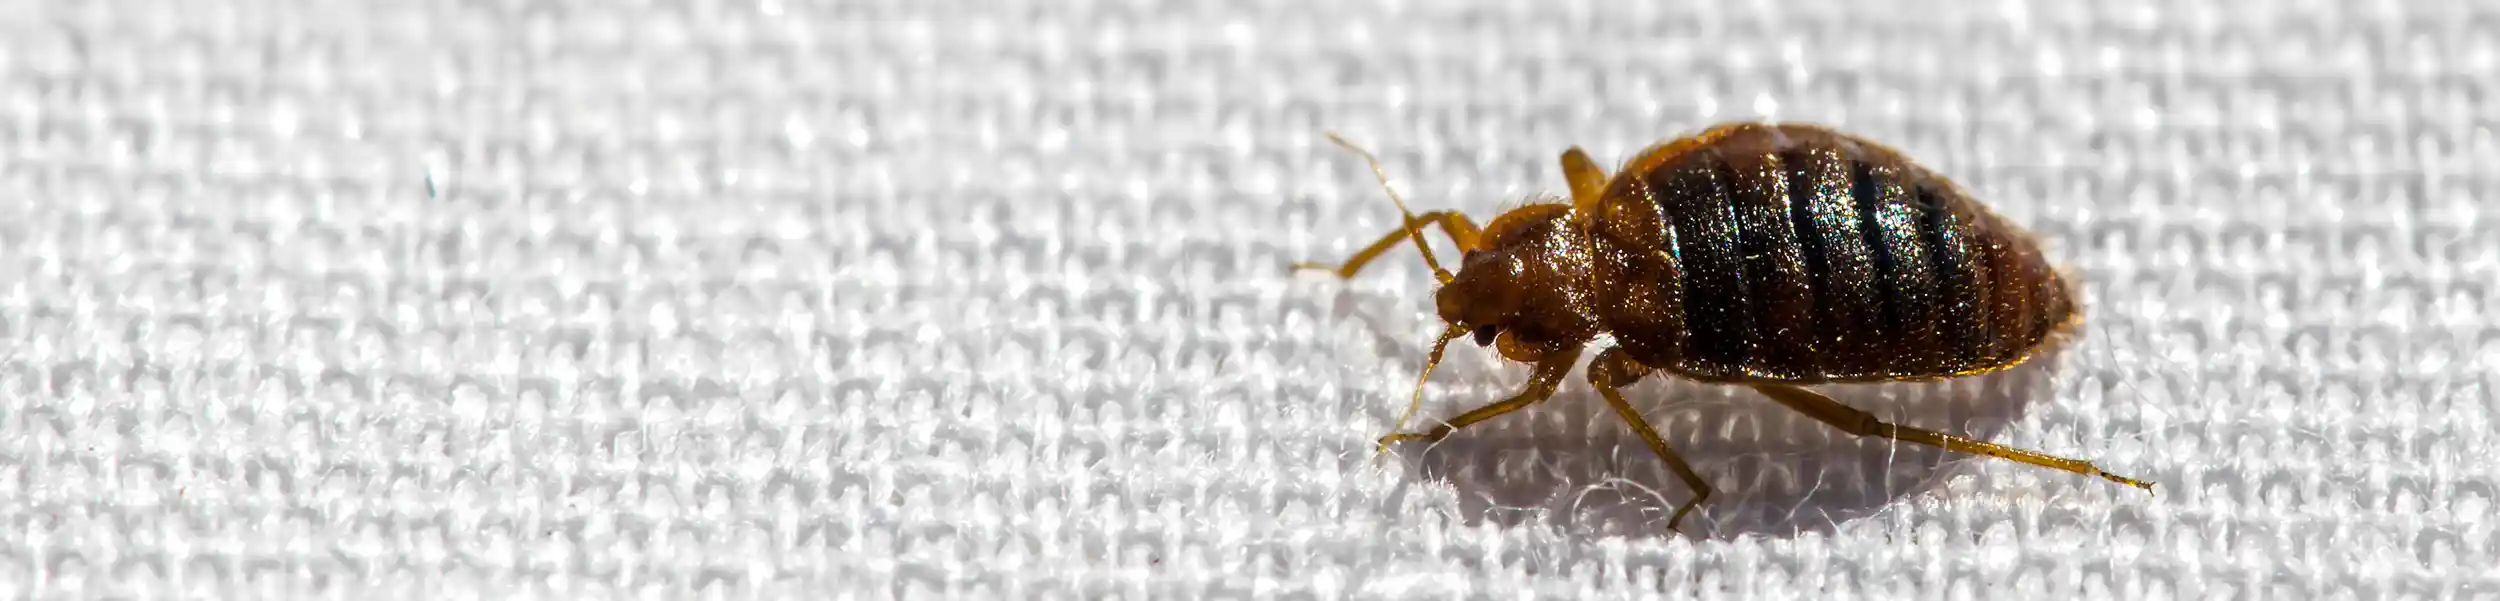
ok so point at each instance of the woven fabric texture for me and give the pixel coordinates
(965, 299)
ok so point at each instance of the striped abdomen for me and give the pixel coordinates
(1796, 253)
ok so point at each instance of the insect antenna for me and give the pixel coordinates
(1430, 361)
(1413, 229)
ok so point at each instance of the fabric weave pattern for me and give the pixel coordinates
(957, 299)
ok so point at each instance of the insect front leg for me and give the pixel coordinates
(1849, 419)
(1612, 370)
(1549, 374)
(1461, 230)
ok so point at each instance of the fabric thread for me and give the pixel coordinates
(988, 300)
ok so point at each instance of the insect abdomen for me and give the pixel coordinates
(1804, 255)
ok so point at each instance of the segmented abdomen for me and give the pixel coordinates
(1801, 254)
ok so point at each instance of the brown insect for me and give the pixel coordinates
(1769, 256)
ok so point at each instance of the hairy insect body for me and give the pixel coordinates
(1770, 256)
(1791, 254)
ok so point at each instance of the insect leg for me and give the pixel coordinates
(1461, 230)
(1861, 423)
(1549, 373)
(1612, 370)
(1588, 182)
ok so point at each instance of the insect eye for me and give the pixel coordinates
(1485, 334)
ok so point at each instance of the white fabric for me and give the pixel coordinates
(952, 299)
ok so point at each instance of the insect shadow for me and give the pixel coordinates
(1571, 463)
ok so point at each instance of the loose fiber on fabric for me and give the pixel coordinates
(958, 299)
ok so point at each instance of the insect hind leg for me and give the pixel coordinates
(1851, 420)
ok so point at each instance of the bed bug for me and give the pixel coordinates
(1771, 256)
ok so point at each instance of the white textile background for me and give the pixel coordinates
(969, 299)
